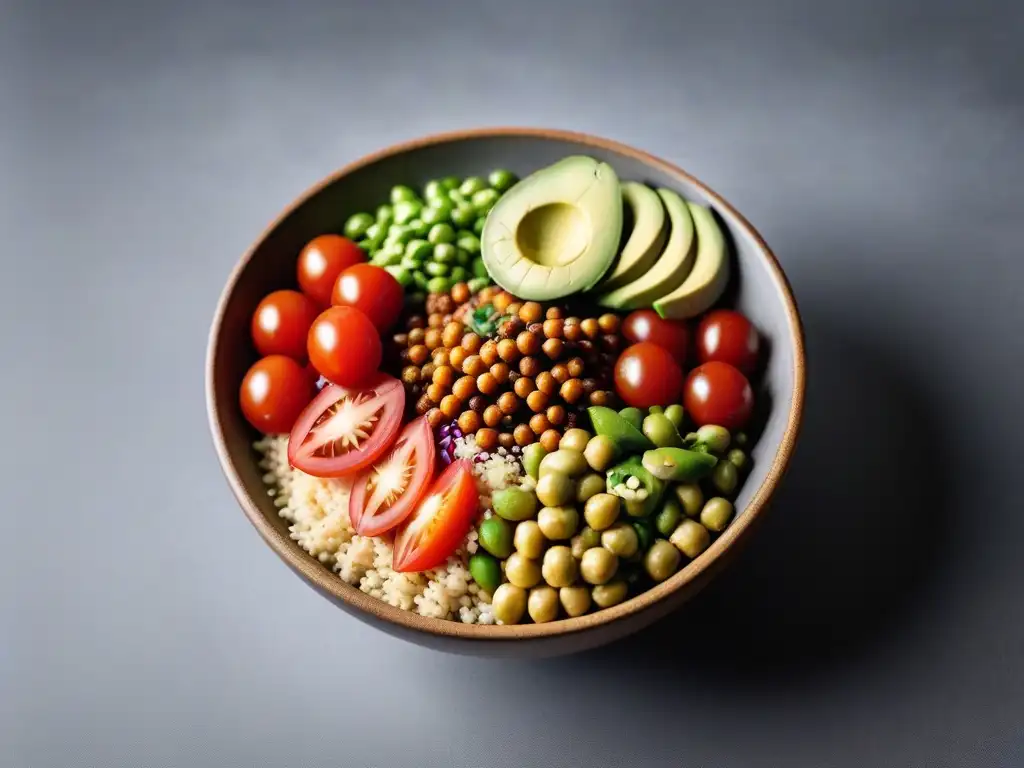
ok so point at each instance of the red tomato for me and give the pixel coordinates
(717, 393)
(344, 430)
(440, 522)
(646, 375)
(373, 290)
(274, 392)
(320, 263)
(728, 337)
(647, 325)
(281, 323)
(383, 495)
(344, 346)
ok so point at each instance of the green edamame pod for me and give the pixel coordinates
(420, 279)
(679, 464)
(634, 416)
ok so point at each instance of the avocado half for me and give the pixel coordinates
(556, 232)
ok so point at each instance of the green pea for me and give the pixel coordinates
(501, 179)
(375, 233)
(644, 534)
(485, 571)
(463, 216)
(479, 268)
(439, 285)
(406, 211)
(669, 517)
(432, 215)
(459, 274)
(411, 264)
(714, 437)
(725, 477)
(655, 409)
(401, 194)
(496, 536)
(514, 504)
(434, 189)
(387, 257)
(365, 245)
(400, 234)
(469, 243)
(478, 226)
(450, 182)
(357, 225)
(484, 200)
(441, 233)
(691, 538)
(457, 198)
(738, 459)
(533, 454)
(421, 280)
(401, 274)
(435, 269)
(464, 258)
(385, 214)
(662, 560)
(477, 284)
(418, 249)
(676, 415)
(690, 498)
(472, 185)
(716, 514)
(418, 227)
(634, 416)
(444, 253)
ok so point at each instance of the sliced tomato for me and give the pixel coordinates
(383, 495)
(344, 430)
(440, 523)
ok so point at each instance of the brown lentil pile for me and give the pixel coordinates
(507, 371)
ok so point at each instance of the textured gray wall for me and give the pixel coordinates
(876, 618)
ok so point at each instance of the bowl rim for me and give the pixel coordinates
(330, 583)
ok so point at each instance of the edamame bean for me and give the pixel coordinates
(661, 560)
(554, 489)
(522, 571)
(725, 477)
(601, 511)
(419, 250)
(357, 225)
(484, 200)
(434, 189)
(477, 284)
(450, 182)
(435, 269)
(439, 285)
(565, 461)
(509, 603)
(691, 538)
(441, 233)
(669, 517)
(398, 233)
(495, 535)
(387, 256)
(542, 604)
(420, 279)
(690, 497)
(558, 523)
(716, 438)
(600, 452)
(621, 540)
(418, 227)
(478, 226)
(375, 234)
(406, 211)
(463, 215)
(463, 258)
(717, 514)
(675, 414)
(738, 459)
(575, 440)
(401, 274)
(385, 214)
(514, 504)
(472, 185)
(444, 253)
(468, 242)
(480, 269)
(401, 194)
(435, 214)
(485, 571)
(607, 595)
(559, 568)
(412, 264)
(589, 486)
(598, 565)
(533, 454)
(456, 198)
(528, 539)
(458, 274)
(660, 430)
(500, 179)
(575, 600)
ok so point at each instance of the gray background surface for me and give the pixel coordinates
(876, 619)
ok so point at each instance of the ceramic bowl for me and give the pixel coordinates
(759, 289)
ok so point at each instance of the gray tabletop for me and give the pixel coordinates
(874, 621)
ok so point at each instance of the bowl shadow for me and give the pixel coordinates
(852, 542)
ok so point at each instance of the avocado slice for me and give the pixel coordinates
(556, 232)
(709, 277)
(672, 266)
(646, 240)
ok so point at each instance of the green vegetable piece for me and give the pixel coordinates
(398, 233)
(484, 200)
(514, 504)
(387, 257)
(501, 180)
(434, 214)
(401, 274)
(459, 274)
(660, 430)
(495, 535)
(738, 459)
(725, 477)
(480, 269)
(634, 416)
(676, 414)
(435, 269)
(690, 498)
(375, 234)
(472, 185)
(439, 285)
(716, 514)
(406, 211)
(641, 491)
(463, 258)
(670, 516)
(444, 253)
(713, 438)
(434, 189)
(655, 409)
(533, 454)
(418, 250)
(441, 233)
(627, 437)
(357, 225)
(478, 226)
(679, 464)
(418, 227)
(477, 284)
(420, 279)
(451, 182)
(485, 571)
(402, 194)
(412, 264)
(463, 215)
(385, 214)
(469, 243)
(644, 534)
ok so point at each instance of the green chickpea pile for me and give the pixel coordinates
(566, 544)
(431, 241)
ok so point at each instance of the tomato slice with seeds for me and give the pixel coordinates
(344, 430)
(384, 494)
(440, 523)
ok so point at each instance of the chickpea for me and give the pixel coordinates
(464, 388)
(460, 293)
(539, 423)
(575, 440)
(599, 397)
(423, 405)
(486, 439)
(522, 571)
(444, 376)
(575, 600)
(598, 565)
(528, 343)
(537, 401)
(433, 338)
(590, 327)
(554, 313)
(572, 330)
(607, 595)
(608, 323)
(528, 539)
(546, 383)
(571, 391)
(560, 373)
(531, 312)
(401, 339)
(500, 372)
(489, 352)
(509, 603)
(450, 406)
(457, 357)
(589, 386)
(440, 357)
(529, 366)
(416, 336)
(435, 320)
(523, 435)
(576, 367)
(488, 293)
(553, 328)
(559, 568)
(470, 422)
(436, 393)
(501, 301)
(410, 375)
(508, 351)
(427, 371)
(473, 366)
(553, 348)
(415, 321)
(523, 387)
(492, 416)
(549, 440)
(451, 334)
(556, 415)
(418, 355)
(435, 418)
(486, 383)
(542, 604)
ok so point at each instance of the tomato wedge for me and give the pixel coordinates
(440, 523)
(383, 495)
(344, 430)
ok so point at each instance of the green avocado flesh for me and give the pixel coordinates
(671, 268)
(710, 274)
(646, 239)
(556, 232)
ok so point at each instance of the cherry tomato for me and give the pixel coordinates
(383, 495)
(728, 337)
(274, 392)
(646, 375)
(717, 393)
(344, 346)
(281, 323)
(372, 290)
(320, 263)
(647, 325)
(440, 523)
(344, 430)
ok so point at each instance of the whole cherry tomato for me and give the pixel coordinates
(372, 290)
(728, 337)
(646, 375)
(647, 325)
(344, 346)
(718, 393)
(274, 392)
(321, 261)
(281, 322)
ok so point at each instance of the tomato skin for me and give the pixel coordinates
(321, 261)
(321, 441)
(648, 325)
(413, 448)
(718, 393)
(344, 346)
(440, 522)
(373, 290)
(727, 336)
(281, 323)
(273, 393)
(646, 375)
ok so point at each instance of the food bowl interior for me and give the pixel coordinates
(757, 288)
